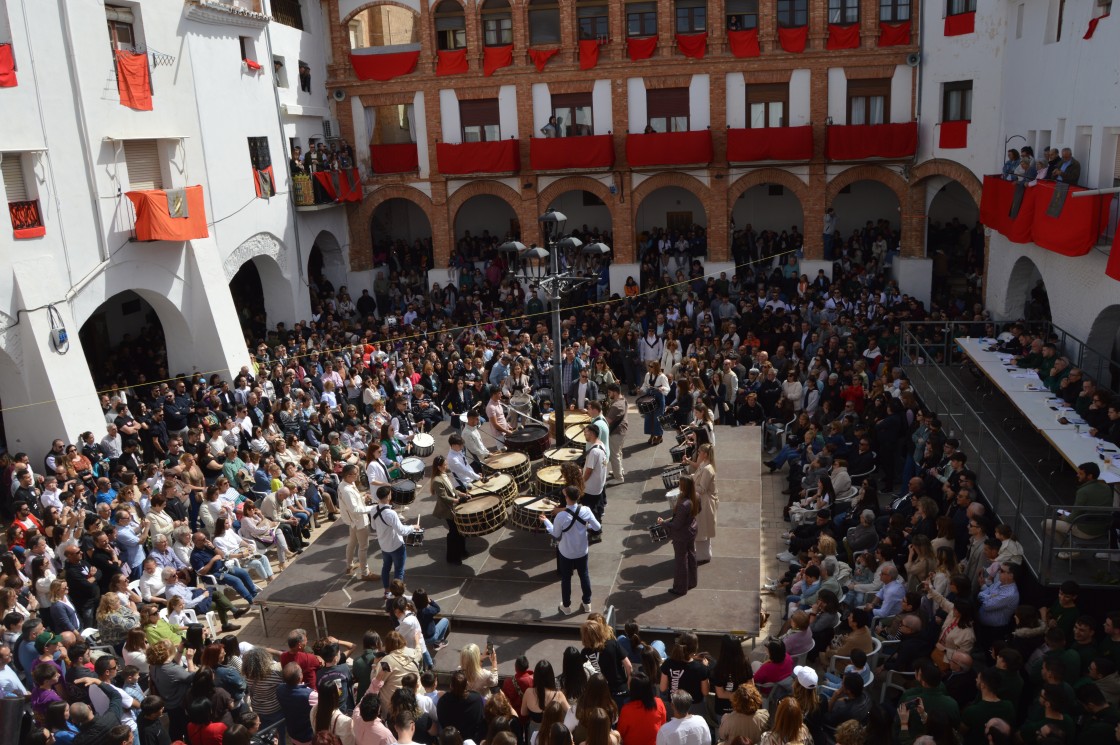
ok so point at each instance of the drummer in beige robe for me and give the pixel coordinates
(703, 470)
(448, 495)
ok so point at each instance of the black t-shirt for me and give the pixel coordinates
(686, 676)
(340, 673)
(608, 661)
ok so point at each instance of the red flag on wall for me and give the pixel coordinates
(7, 67)
(643, 48)
(744, 43)
(1093, 26)
(692, 45)
(960, 24)
(953, 135)
(385, 66)
(793, 39)
(451, 62)
(541, 57)
(1113, 268)
(133, 81)
(894, 34)
(843, 37)
(588, 53)
(495, 58)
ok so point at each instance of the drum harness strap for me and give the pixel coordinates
(575, 516)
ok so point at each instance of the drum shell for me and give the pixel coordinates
(659, 532)
(501, 485)
(423, 445)
(560, 456)
(550, 483)
(480, 516)
(671, 476)
(526, 513)
(412, 468)
(404, 491)
(415, 538)
(532, 440)
(677, 452)
(520, 470)
(647, 404)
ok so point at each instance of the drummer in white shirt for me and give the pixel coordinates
(472, 439)
(457, 462)
(390, 532)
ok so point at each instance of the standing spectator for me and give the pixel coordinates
(295, 700)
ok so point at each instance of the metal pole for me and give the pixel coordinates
(1095, 192)
(558, 404)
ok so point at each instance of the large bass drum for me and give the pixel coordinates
(480, 516)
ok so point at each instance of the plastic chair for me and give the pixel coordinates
(799, 659)
(896, 680)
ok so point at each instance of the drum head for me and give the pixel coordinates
(551, 475)
(502, 461)
(404, 485)
(527, 434)
(497, 483)
(673, 493)
(563, 454)
(534, 504)
(423, 440)
(575, 433)
(412, 464)
(477, 504)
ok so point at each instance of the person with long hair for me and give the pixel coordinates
(682, 531)
(114, 621)
(788, 725)
(732, 670)
(596, 694)
(597, 729)
(641, 717)
(684, 670)
(470, 662)
(603, 651)
(656, 384)
(573, 674)
(462, 708)
(552, 725)
(326, 716)
(703, 470)
(747, 717)
(262, 679)
(448, 495)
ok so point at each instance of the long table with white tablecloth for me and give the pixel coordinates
(1054, 419)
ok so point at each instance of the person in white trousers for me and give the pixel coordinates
(355, 514)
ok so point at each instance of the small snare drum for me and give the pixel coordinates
(415, 538)
(412, 468)
(659, 532)
(404, 491)
(671, 476)
(423, 444)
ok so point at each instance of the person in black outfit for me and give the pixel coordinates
(150, 724)
(93, 729)
(462, 709)
(82, 580)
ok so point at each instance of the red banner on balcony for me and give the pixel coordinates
(252, 64)
(395, 158)
(559, 153)
(744, 43)
(588, 53)
(451, 62)
(7, 67)
(692, 45)
(1040, 214)
(341, 186)
(1089, 35)
(960, 24)
(894, 34)
(264, 182)
(541, 57)
(860, 141)
(953, 135)
(133, 81)
(26, 220)
(793, 39)
(495, 58)
(772, 143)
(384, 66)
(154, 221)
(1113, 268)
(644, 48)
(669, 148)
(843, 37)
(478, 157)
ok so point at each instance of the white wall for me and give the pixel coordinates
(799, 98)
(484, 212)
(699, 103)
(449, 116)
(652, 210)
(420, 113)
(837, 95)
(542, 106)
(736, 100)
(507, 111)
(902, 83)
(602, 104)
(636, 95)
(763, 212)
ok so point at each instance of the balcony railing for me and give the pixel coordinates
(782, 144)
(564, 153)
(501, 156)
(669, 148)
(866, 141)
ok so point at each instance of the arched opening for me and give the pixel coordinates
(589, 218)
(326, 266)
(483, 222)
(401, 235)
(451, 26)
(765, 218)
(1101, 359)
(248, 298)
(1026, 292)
(124, 342)
(865, 210)
(383, 26)
(955, 242)
(675, 214)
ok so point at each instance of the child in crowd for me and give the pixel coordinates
(858, 665)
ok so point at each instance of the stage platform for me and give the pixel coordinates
(510, 580)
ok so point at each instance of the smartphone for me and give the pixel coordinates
(489, 648)
(913, 703)
(385, 667)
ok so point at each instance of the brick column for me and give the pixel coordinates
(616, 23)
(912, 217)
(869, 23)
(473, 19)
(360, 251)
(818, 25)
(719, 216)
(520, 15)
(717, 27)
(767, 27)
(433, 125)
(814, 206)
(623, 219)
(717, 104)
(666, 28)
(525, 129)
(569, 37)
(443, 233)
(427, 39)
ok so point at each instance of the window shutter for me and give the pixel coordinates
(479, 112)
(14, 185)
(570, 100)
(667, 102)
(118, 14)
(142, 158)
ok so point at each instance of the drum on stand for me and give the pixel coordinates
(671, 476)
(677, 452)
(515, 464)
(532, 440)
(423, 444)
(560, 456)
(574, 434)
(500, 485)
(480, 516)
(521, 403)
(415, 538)
(550, 483)
(527, 511)
(404, 491)
(646, 403)
(412, 468)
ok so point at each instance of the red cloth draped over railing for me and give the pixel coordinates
(639, 49)
(1073, 232)
(1093, 26)
(7, 67)
(341, 186)
(264, 182)
(27, 222)
(155, 223)
(133, 81)
(1113, 268)
(843, 37)
(960, 24)
(541, 57)
(953, 135)
(793, 39)
(772, 143)
(692, 45)
(383, 67)
(860, 141)
(394, 158)
(495, 58)
(894, 34)
(588, 53)
(478, 157)
(559, 153)
(451, 62)
(744, 43)
(669, 148)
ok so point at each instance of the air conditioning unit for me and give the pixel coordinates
(328, 128)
